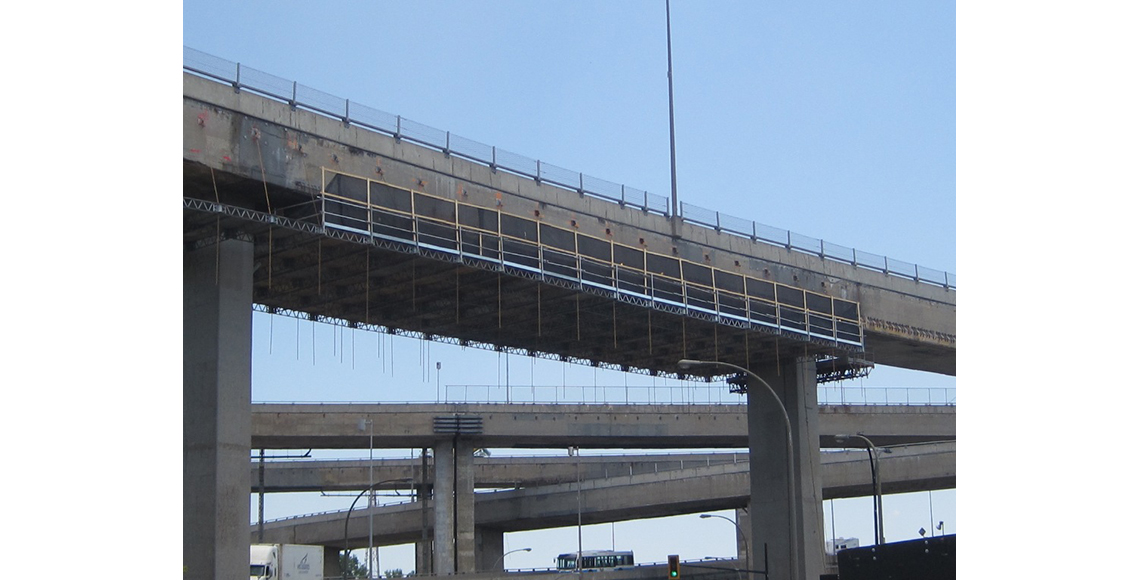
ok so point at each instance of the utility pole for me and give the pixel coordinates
(675, 215)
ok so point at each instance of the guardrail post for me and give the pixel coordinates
(346, 117)
(493, 158)
(538, 172)
(447, 144)
(622, 201)
(822, 252)
(293, 100)
(753, 231)
(581, 184)
(237, 79)
(397, 135)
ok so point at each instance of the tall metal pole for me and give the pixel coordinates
(371, 501)
(261, 498)
(371, 489)
(427, 555)
(876, 485)
(578, 470)
(672, 132)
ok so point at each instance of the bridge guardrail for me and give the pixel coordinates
(711, 394)
(696, 394)
(384, 211)
(298, 95)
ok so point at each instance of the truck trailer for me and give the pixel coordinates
(286, 562)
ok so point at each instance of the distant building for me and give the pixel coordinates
(838, 544)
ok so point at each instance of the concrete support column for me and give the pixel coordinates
(464, 507)
(443, 548)
(794, 383)
(424, 546)
(489, 550)
(217, 320)
(332, 562)
(423, 558)
(744, 542)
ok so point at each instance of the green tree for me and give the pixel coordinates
(397, 573)
(353, 568)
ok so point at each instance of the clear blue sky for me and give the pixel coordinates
(833, 120)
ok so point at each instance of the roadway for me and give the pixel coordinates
(335, 426)
(699, 489)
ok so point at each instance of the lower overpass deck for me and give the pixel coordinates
(620, 498)
(335, 426)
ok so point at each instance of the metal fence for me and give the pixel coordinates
(298, 95)
(656, 394)
(693, 394)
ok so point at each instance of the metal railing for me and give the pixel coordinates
(298, 95)
(915, 396)
(695, 394)
(655, 394)
(399, 215)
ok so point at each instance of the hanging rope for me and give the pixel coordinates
(268, 206)
(218, 228)
(367, 285)
(649, 312)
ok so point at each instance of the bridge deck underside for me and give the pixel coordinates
(308, 271)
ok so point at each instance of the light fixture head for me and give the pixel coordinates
(686, 364)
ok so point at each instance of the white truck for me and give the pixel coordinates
(286, 562)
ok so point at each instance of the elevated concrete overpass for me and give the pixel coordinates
(353, 224)
(619, 498)
(335, 426)
(489, 472)
(313, 215)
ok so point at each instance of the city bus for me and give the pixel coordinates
(595, 561)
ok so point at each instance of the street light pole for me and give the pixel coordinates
(743, 539)
(348, 516)
(372, 494)
(672, 134)
(876, 484)
(793, 568)
(504, 557)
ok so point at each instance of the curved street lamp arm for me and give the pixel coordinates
(348, 516)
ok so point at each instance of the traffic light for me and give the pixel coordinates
(674, 566)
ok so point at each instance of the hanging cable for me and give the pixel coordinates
(218, 228)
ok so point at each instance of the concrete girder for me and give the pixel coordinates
(553, 426)
(689, 490)
(250, 145)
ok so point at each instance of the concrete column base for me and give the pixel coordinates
(489, 550)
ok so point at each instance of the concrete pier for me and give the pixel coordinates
(794, 383)
(217, 319)
(443, 551)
